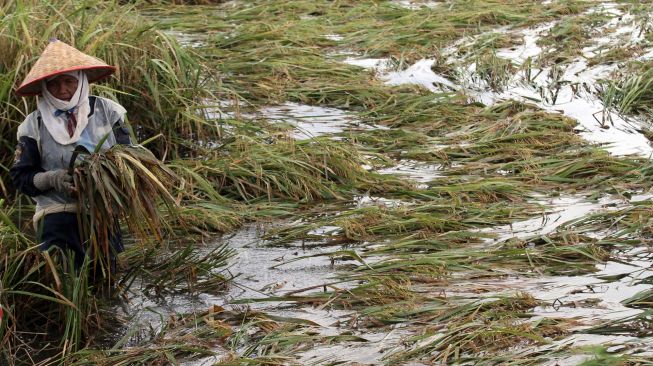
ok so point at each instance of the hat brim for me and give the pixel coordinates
(93, 73)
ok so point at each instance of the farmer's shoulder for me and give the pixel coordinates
(30, 126)
(112, 110)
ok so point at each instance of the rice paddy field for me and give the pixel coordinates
(369, 182)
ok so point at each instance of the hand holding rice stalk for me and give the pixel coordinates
(128, 183)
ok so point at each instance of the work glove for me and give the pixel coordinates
(59, 180)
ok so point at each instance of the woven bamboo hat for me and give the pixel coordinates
(58, 58)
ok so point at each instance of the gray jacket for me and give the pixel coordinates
(37, 151)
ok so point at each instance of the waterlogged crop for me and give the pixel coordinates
(486, 201)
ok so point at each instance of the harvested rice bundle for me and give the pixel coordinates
(128, 183)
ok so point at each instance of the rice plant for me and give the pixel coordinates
(47, 306)
(630, 93)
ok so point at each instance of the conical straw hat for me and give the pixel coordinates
(58, 58)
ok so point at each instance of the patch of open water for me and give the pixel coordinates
(311, 121)
(370, 352)
(367, 200)
(589, 341)
(307, 121)
(377, 64)
(188, 39)
(559, 210)
(416, 171)
(420, 73)
(528, 49)
(259, 271)
(419, 4)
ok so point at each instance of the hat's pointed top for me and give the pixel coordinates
(57, 58)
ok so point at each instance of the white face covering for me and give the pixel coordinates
(55, 122)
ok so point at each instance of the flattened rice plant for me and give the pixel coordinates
(251, 168)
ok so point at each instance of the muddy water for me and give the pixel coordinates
(313, 121)
(258, 271)
(262, 271)
(304, 121)
(417, 4)
(371, 352)
(558, 211)
(415, 171)
(420, 73)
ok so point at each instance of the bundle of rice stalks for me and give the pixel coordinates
(128, 183)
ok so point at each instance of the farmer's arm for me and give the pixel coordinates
(27, 163)
(27, 174)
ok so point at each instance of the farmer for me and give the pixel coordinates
(66, 117)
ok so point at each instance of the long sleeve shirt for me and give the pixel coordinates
(37, 151)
